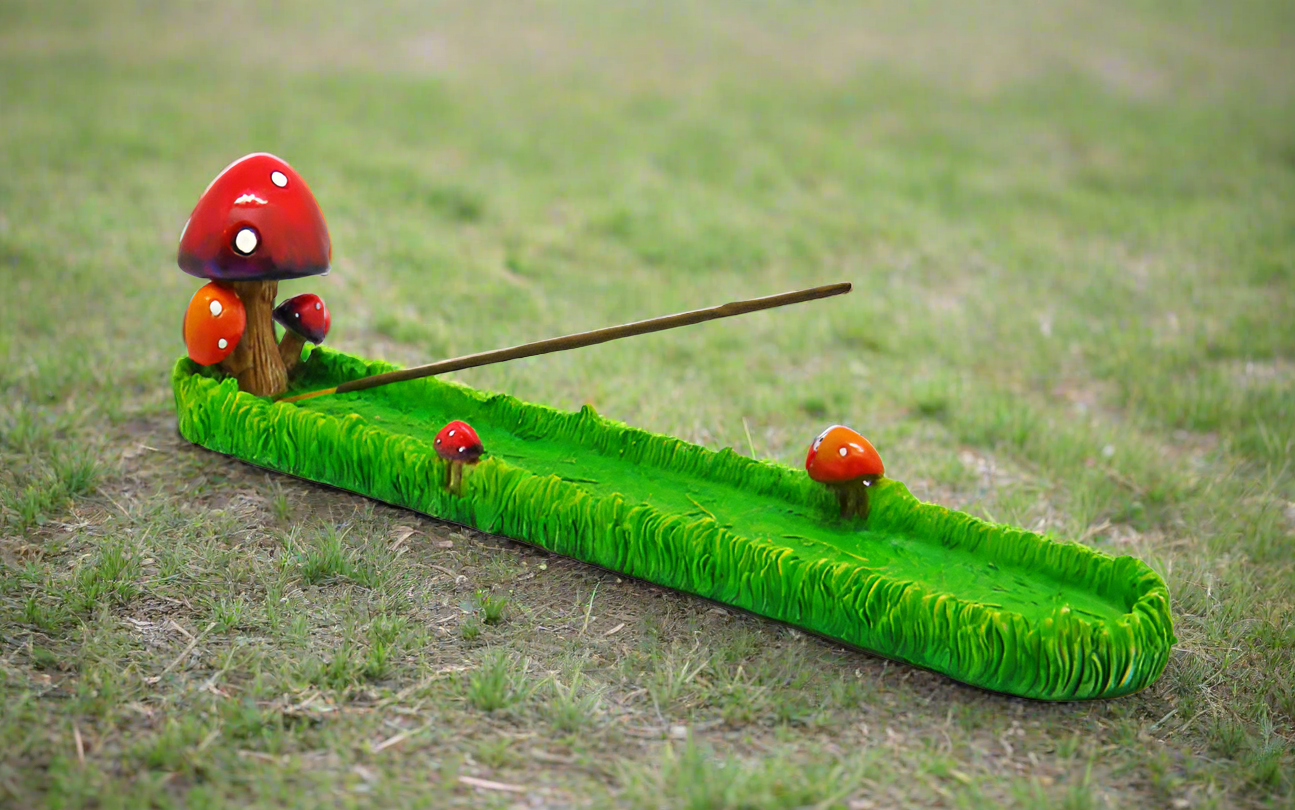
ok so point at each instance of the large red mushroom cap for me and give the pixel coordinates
(840, 454)
(257, 221)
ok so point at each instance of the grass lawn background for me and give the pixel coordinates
(1072, 234)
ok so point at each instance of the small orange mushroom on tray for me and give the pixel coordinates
(848, 464)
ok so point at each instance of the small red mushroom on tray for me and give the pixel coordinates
(848, 464)
(213, 324)
(305, 319)
(458, 444)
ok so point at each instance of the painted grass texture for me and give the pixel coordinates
(990, 605)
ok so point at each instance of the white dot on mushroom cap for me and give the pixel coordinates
(245, 240)
(222, 343)
(279, 179)
(215, 308)
(451, 433)
(319, 305)
(843, 451)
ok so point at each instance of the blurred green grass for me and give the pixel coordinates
(1071, 227)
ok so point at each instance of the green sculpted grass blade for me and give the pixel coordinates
(990, 605)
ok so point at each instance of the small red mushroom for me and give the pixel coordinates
(458, 444)
(848, 464)
(304, 318)
(213, 324)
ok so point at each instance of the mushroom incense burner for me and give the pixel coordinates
(1003, 608)
(256, 223)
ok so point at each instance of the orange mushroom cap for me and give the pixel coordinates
(840, 454)
(213, 324)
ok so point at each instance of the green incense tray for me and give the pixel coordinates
(989, 605)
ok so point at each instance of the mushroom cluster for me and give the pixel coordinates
(256, 224)
(458, 444)
(848, 464)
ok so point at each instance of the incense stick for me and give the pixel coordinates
(581, 339)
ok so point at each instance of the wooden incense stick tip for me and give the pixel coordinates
(309, 394)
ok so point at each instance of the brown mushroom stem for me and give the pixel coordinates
(853, 496)
(454, 476)
(290, 349)
(454, 479)
(256, 361)
(227, 365)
